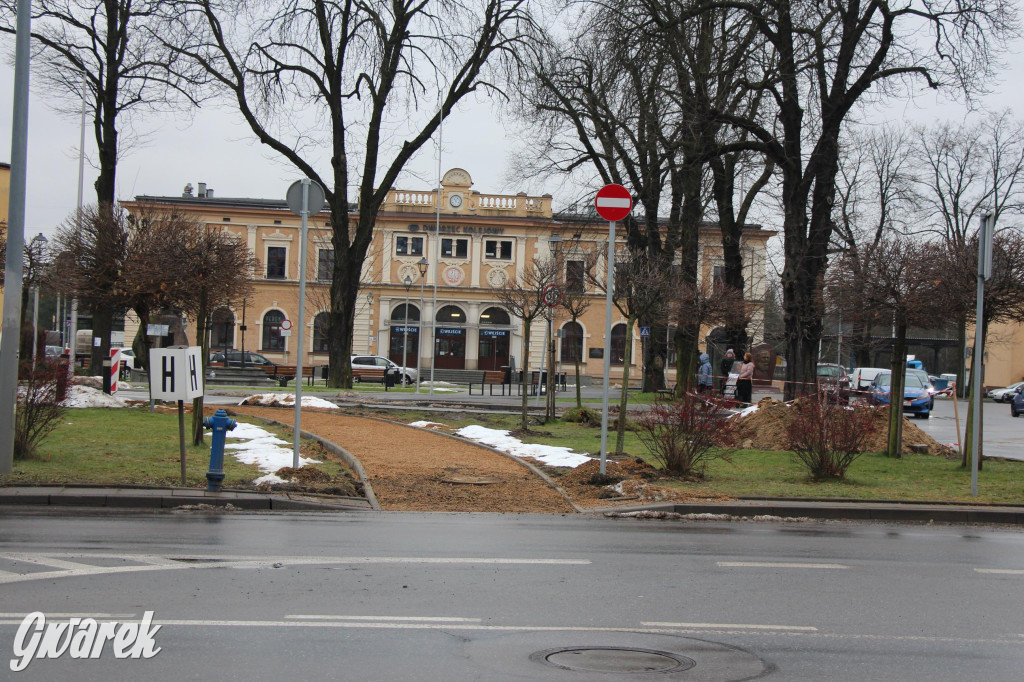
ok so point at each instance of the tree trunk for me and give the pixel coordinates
(524, 422)
(724, 188)
(620, 438)
(202, 337)
(344, 295)
(896, 384)
(965, 461)
(549, 403)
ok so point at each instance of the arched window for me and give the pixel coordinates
(451, 315)
(222, 329)
(321, 332)
(272, 339)
(495, 316)
(572, 342)
(399, 314)
(619, 344)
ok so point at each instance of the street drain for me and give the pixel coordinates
(611, 659)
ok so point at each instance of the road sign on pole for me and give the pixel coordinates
(552, 295)
(613, 202)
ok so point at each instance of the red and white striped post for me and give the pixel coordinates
(115, 367)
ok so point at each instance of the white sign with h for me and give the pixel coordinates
(176, 373)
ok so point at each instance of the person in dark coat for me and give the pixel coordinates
(725, 367)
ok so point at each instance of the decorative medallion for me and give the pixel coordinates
(452, 275)
(497, 278)
(410, 271)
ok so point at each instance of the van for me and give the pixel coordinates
(861, 377)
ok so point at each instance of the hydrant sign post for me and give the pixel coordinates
(176, 374)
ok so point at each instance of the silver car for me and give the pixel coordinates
(377, 362)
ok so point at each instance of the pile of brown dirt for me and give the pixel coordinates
(766, 429)
(632, 480)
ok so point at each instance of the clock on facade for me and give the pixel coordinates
(455, 200)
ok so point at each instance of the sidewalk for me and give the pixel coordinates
(168, 498)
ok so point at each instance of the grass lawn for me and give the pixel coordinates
(132, 447)
(760, 473)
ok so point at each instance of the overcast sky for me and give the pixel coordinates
(213, 148)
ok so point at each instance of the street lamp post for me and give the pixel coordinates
(369, 323)
(405, 317)
(38, 244)
(422, 264)
(555, 244)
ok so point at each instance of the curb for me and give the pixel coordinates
(863, 511)
(170, 498)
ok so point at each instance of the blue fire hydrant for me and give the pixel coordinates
(220, 424)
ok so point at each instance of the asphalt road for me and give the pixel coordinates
(390, 596)
(1002, 435)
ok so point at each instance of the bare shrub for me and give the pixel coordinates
(826, 437)
(43, 388)
(683, 435)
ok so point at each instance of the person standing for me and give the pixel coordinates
(725, 368)
(704, 378)
(745, 381)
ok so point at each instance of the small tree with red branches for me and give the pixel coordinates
(684, 434)
(43, 388)
(827, 437)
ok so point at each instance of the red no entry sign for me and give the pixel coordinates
(613, 202)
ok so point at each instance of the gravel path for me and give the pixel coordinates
(406, 466)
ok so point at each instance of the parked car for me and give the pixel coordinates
(1017, 404)
(926, 381)
(916, 399)
(833, 378)
(861, 377)
(233, 358)
(1004, 395)
(377, 362)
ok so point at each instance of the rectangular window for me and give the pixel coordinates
(494, 248)
(455, 248)
(574, 276)
(717, 278)
(325, 265)
(408, 246)
(275, 262)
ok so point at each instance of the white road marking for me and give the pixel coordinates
(775, 564)
(50, 615)
(151, 562)
(1000, 571)
(421, 619)
(731, 626)
(1011, 640)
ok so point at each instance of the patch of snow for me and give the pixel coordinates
(546, 454)
(272, 479)
(429, 425)
(84, 396)
(746, 411)
(286, 400)
(260, 447)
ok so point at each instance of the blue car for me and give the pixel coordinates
(1017, 404)
(917, 399)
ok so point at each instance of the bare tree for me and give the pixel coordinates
(103, 46)
(353, 71)
(903, 283)
(576, 301)
(523, 297)
(827, 57)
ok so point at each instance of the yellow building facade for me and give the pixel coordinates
(471, 247)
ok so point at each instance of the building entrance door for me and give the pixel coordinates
(494, 349)
(450, 348)
(412, 352)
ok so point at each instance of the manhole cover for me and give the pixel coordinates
(464, 479)
(609, 659)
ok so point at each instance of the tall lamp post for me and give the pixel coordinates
(38, 244)
(369, 323)
(422, 264)
(405, 317)
(555, 244)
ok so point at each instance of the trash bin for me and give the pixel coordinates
(391, 378)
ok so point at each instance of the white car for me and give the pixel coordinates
(861, 377)
(1004, 395)
(377, 362)
(128, 358)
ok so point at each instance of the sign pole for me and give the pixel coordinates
(977, 361)
(302, 316)
(613, 202)
(181, 437)
(607, 344)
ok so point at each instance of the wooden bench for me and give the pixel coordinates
(372, 374)
(490, 378)
(285, 373)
